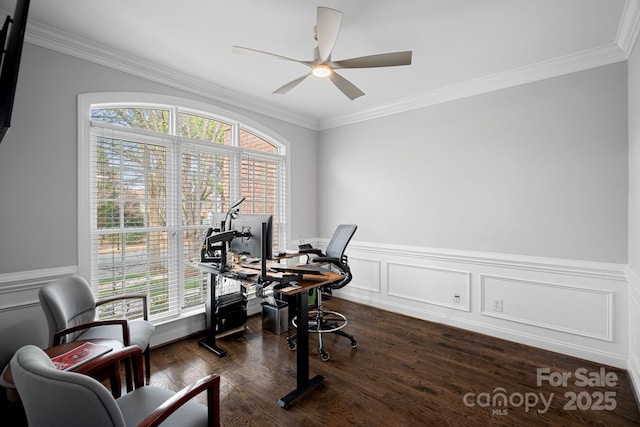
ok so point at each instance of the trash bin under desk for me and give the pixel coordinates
(275, 317)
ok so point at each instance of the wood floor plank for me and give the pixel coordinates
(404, 371)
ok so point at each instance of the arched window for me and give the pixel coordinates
(152, 177)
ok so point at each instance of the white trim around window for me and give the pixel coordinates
(120, 99)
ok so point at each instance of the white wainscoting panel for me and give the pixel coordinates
(369, 274)
(579, 308)
(429, 285)
(584, 309)
(18, 290)
(545, 305)
(22, 320)
(633, 364)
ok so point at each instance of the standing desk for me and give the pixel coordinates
(301, 295)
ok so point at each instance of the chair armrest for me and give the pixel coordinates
(57, 338)
(339, 263)
(210, 383)
(315, 251)
(130, 354)
(143, 297)
(342, 265)
(323, 259)
(310, 251)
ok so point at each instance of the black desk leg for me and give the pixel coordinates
(211, 345)
(303, 383)
(209, 342)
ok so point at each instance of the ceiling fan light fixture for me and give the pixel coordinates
(326, 33)
(322, 70)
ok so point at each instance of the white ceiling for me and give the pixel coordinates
(460, 47)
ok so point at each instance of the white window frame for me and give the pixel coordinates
(104, 99)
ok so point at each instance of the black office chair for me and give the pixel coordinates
(325, 321)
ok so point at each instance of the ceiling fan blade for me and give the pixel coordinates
(286, 88)
(327, 29)
(380, 60)
(348, 88)
(249, 51)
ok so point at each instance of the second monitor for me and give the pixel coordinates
(249, 242)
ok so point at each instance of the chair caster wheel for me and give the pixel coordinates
(354, 344)
(324, 356)
(292, 345)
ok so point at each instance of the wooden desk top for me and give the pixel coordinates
(309, 281)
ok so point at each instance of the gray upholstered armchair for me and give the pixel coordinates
(70, 309)
(52, 397)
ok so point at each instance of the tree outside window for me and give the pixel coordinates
(159, 175)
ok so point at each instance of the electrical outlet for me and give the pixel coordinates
(497, 305)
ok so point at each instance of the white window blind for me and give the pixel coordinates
(262, 177)
(205, 189)
(133, 241)
(157, 177)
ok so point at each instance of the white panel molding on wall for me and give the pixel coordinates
(572, 268)
(370, 272)
(19, 304)
(633, 363)
(438, 286)
(21, 318)
(596, 315)
(19, 290)
(591, 317)
(578, 308)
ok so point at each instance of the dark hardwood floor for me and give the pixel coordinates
(405, 372)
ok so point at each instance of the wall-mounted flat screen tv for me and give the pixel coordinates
(12, 39)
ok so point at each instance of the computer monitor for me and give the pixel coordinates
(250, 238)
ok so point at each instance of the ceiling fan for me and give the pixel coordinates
(326, 34)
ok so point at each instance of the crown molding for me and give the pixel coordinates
(627, 34)
(629, 27)
(580, 61)
(59, 41)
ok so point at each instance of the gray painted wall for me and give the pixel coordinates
(539, 169)
(634, 217)
(38, 159)
(634, 159)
